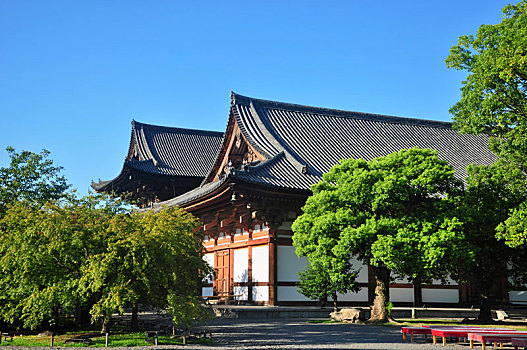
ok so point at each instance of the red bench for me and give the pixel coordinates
(519, 342)
(495, 337)
(463, 332)
(427, 329)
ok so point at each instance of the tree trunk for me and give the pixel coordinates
(323, 302)
(105, 324)
(418, 295)
(78, 315)
(105, 327)
(334, 296)
(379, 313)
(135, 324)
(485, 309)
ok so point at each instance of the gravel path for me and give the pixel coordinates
(298, 334)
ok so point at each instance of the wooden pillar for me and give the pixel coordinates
(272, 270)
(231, 272)
(215, 279)
(250, 275)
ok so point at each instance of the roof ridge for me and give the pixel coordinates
(146, 147)
(184, 130)
(245, 100)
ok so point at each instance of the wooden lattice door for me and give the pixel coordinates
(222, 272)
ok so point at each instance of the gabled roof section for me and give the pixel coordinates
(172, 151)
(166, 151)
(300, 143)
(314, 139)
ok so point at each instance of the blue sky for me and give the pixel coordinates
(73, 74)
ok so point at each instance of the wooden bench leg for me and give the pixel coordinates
(444, 341)
(483, 345)
(434, 337)
(404, 336)
(471, 344)
(412, 338)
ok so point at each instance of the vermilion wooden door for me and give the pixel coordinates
(222, 272)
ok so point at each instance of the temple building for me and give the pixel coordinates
(163, 162)
(248, 187)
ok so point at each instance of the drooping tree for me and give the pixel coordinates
(367, 208)
(91, 255)
(151, 258)
(42, 253)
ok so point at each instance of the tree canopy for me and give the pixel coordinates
(390, 212)
(91, 253)
(490, 194)
(494, 102)
(494, 95)
(31, 177)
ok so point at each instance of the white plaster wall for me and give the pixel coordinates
(363, 272)
(242, 291)
(440, 295)
(518, 297)
(209, 258)
(290, 294)
(401, 280)
(286, 225)
(289, 264)
(402, 295)
(241, 265)
(449, 281)
(206, 291)
(260, 256)
(260, 293)
(361, 295)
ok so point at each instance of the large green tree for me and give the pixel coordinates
(494, 95)
(92, 254)
(369, 208)
(150, 258)
(31, 177)
(42, 254)
(494, 102)
(491, 192)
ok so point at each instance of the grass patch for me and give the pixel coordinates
(115, 340)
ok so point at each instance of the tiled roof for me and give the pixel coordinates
(173, 151)
(301, 143)
(308, 141)
(191, 195)
(161, 150)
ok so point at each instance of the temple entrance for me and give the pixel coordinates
(221, 283)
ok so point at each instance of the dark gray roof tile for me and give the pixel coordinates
(174, 151)
(321, 137)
